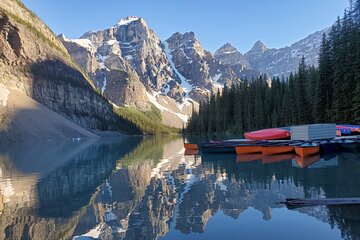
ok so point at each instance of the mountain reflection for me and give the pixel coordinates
(147, 188)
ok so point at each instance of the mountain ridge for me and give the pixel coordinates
(177, 70)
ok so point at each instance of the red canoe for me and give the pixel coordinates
(268, 134)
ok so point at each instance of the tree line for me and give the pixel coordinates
(329, 93)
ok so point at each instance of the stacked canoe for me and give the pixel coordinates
(347, 129)
(256, 147)
(271, 142)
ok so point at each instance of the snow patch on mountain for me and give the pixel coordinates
(215, 80)
(111, 42)
(101, 60)
(127, 21)
(85, 43)
(105, 83)
(92, 234)
(153, 100)
(184, 82)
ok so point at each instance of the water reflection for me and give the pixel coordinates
(148, 189)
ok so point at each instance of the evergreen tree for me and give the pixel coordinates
(323, 99)
(218, 113)
(300, 93)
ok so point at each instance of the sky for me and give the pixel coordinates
(277, 23)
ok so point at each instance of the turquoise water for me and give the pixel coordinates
(146, 188)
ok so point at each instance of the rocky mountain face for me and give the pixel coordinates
(131, 66)
(128, 65)
(128, 46)
(229, 55)
(199, 68)
(35, 64)
(178, 70)
(281, 62)
(274, 62)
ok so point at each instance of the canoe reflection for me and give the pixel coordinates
(266, 159)
(307, 161)
(189, 152)
(248, 157)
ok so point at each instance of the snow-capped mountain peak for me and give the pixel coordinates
(127, 20)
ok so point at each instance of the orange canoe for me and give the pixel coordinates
(307, 151)
(247, 149)
(270, 150)
(338, 133)
(191, 146)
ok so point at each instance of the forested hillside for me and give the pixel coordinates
(329, 93)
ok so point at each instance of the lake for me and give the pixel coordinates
(146, 188)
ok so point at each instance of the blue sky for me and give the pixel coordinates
(277, 23)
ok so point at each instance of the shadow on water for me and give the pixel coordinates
(66, 173)
(75, 182)
(50, 180)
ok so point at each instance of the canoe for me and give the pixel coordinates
(226, 146)
(304, 162)
(345, 127)
(344, 131)
(218, 148)
(276, 149)
(354, 128)
(306, 150)
(338, 133)
(348, 145)
(248, 149)
(328, 147)
(268, 134)
(191, 146)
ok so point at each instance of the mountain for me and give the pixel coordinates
(229, 55)
(43, 92)
(131, 66)
(199, 67)
(127, 63)
(274, 62)
(283, 61)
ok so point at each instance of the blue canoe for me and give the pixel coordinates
(328, 147)
(348, 144)
(344, 131)
(220, 147)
